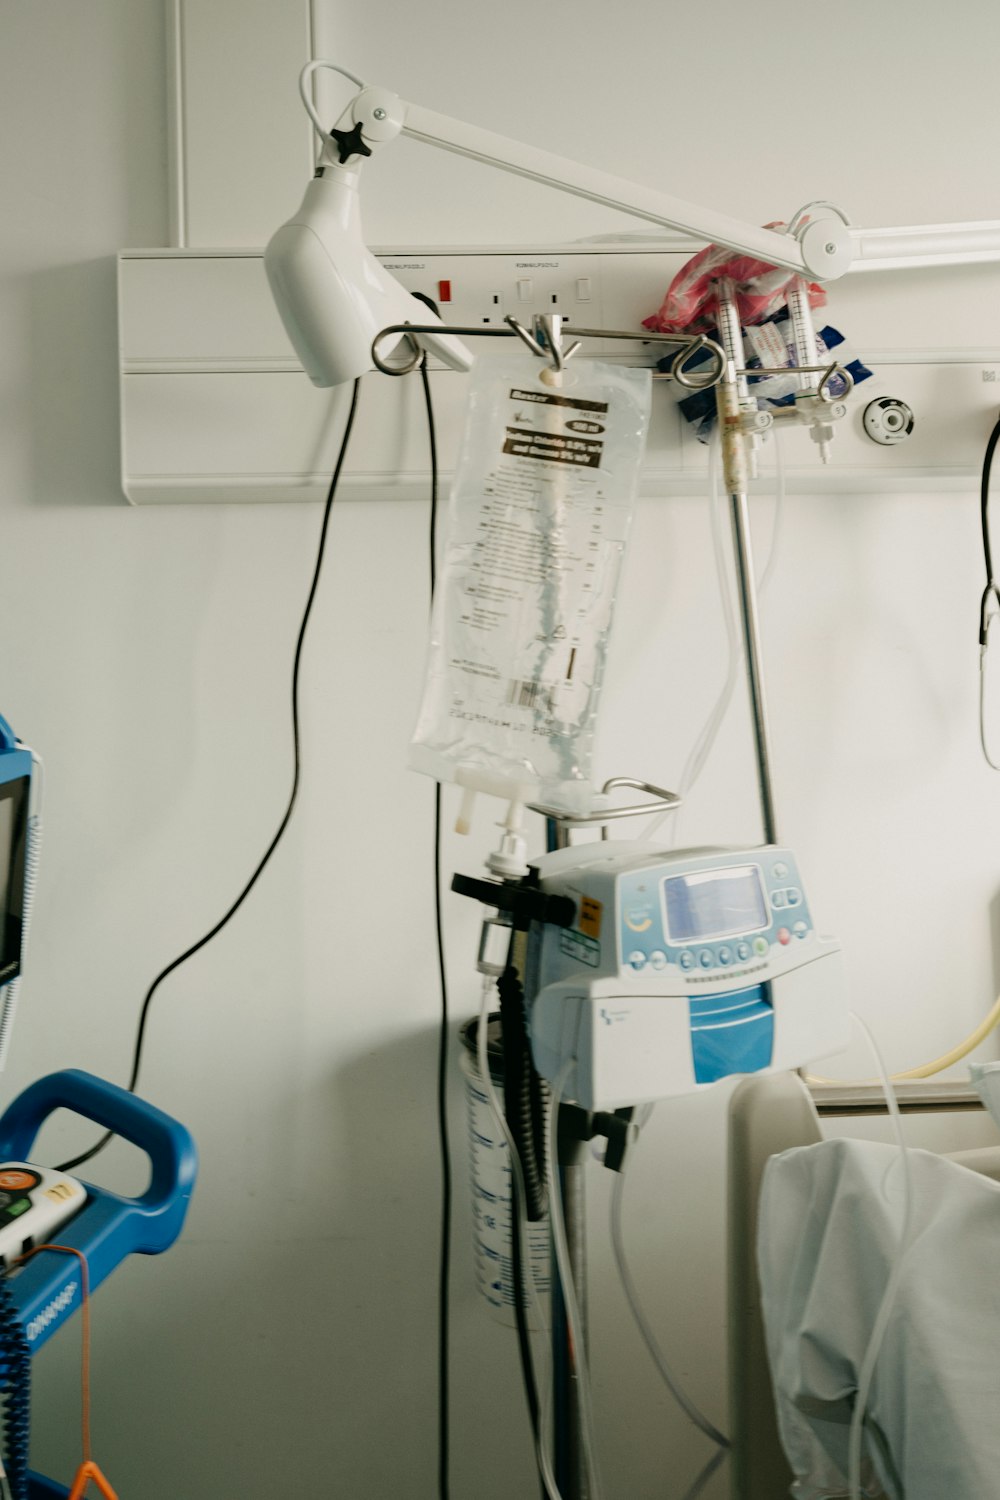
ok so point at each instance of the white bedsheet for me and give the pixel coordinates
(830, 1222)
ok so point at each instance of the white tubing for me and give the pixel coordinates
(926, 1070)
(892, 1286)
(702, 1479)
(684, 1401)
(707, 735)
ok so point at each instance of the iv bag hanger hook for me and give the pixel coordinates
(691, 344)
(545, 339)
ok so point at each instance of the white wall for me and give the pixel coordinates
(287, 1344)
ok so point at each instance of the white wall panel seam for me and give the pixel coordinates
(175, 122)
(240, 143)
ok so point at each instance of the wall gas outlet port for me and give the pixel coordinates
(888, 420)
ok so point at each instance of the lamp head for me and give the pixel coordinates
(332, 294)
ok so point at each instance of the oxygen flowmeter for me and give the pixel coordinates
(678, 968)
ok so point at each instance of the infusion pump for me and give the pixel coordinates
(680, 968)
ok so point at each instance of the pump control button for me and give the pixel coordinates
(637, 960)
(658, 959)
(19, 1181)
(760, 945)
(800, 929)
(706, 958)
(780, 871)
(793, 896)
(784, 936)
(742, 951)
(686, 959)
(777, 899)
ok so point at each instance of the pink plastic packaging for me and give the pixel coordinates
(690, 302)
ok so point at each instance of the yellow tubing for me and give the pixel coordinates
(926, 1070)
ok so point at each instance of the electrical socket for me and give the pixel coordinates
(487, 287)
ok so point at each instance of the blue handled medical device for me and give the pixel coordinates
(40, 1204)
(681, 967)
(108, 1228)
(103, 1226)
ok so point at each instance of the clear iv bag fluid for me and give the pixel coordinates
(540, 513)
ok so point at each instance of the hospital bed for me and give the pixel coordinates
(771, 1114)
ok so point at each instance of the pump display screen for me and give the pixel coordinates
(714, 904)
(13, 829)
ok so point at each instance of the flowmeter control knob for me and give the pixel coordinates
(888, 420)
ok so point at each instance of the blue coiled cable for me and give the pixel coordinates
(16, 1397)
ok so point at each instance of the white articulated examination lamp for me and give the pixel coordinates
(331, 292)
(334, 296)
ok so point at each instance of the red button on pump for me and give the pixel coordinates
(444, 291)
(784, 936)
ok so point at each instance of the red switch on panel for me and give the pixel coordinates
(444, 291)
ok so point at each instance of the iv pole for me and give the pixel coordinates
(736, 474)
(571, 1469)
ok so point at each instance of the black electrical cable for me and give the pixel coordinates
(991, 590)
(446, 1185)
(78, 1161)
(520, 1084)
(524, 1094)
(444, 1278)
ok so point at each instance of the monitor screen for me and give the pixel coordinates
(714, 903)
(13, 836)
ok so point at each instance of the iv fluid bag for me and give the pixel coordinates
(540, 512)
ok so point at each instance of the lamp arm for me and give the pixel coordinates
(820, 243)
(926, 245)
(574, 177)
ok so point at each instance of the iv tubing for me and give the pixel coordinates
(892, 1285)
(683, 1400)
(702, 1479)
(988, 619)
(927, 1070)
(707, 735)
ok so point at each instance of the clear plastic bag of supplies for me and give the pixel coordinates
(540, 513)
(770, 345)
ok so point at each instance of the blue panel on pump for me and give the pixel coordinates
(732, 1033)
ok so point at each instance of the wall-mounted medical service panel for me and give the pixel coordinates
(215, 406)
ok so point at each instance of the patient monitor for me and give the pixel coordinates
(680, 968)
(15, 793)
